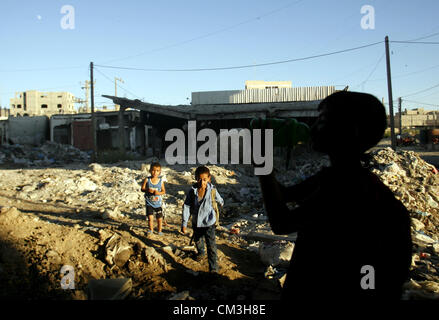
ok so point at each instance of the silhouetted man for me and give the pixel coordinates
(354, 237)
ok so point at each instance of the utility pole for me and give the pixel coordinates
(400, 114)
(389, 88)
(93, 121)
(87, 88)
(116, 106)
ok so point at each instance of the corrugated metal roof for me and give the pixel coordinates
(262, 95)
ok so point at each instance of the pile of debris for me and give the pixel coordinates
(48, 154)
(412, 180)
(416, 184)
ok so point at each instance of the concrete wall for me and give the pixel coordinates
(4, 131)
(4, 113)
(28, 130)
(418, 120)
(35, 103)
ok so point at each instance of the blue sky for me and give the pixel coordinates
(37, 53)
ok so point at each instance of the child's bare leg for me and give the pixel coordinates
(151, 222)
(159, 224)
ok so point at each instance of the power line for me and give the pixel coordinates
(421, 91)
(208, 34)
(402, 75)
(42, 69)
(244, 66)
(425, 37)
(373, 70)
(108, 78)
(427, 104)
(414, 42)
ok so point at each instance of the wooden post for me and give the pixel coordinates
(121, 123)
(389, 88)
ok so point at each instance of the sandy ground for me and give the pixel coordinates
(43, 228)
(62, 215)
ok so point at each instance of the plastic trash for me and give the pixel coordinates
(421, 213)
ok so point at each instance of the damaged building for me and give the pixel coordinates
(226, 109)
(37, 103)
(76, 130)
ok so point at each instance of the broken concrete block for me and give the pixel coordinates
(109, 289)
(112, 214)
(169, 249)
(423, 238)
(96, 167)
(431, 202)
(395, 169)
(418, 225)
(277, 253)
(85, 184)
(118, 251)
(153, 257)
(104, 235)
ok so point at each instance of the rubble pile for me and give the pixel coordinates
(48, 154)
(113, 193)
(416, 184)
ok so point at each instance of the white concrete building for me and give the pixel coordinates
(36, 103)
(258, 91)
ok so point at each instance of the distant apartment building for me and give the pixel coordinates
(36, 103)
(417, 118)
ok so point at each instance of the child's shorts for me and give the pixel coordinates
(158, 212)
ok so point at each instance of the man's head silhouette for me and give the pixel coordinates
(349, 124)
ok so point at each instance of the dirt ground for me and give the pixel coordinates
(65, 214)
(40, 234)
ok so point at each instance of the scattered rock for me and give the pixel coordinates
(277, 253)
(96, 168)
(48, 154)
(153, 257)
(418, 225)
(112, 214)
(118, 251)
